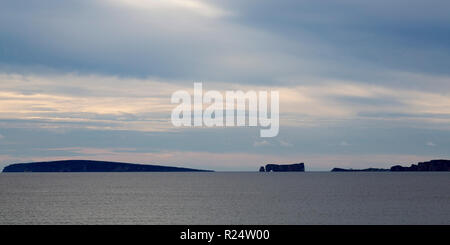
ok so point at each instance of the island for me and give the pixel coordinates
(92, 166)
(296, 167)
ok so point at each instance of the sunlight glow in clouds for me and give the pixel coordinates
(193, 6)
(142, 104)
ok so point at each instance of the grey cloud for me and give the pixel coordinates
(405, 35)
(262, 42)
(404, 115)
(380, 102)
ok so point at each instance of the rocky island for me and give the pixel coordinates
(296, 167)
(92, 166)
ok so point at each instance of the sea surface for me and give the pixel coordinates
(225, 198)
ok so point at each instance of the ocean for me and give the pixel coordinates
(225, 198)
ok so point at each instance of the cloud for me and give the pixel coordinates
(198, 7)
(366, 35)
(285, 143)
(261, 143)
(232, 41)
(429, 143)
(110, 102)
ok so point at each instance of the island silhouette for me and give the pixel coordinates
(93, 166)
(433, 165)
(105, 166)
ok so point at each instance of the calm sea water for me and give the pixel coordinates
(225, 198)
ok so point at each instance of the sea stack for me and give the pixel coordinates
(296, 167)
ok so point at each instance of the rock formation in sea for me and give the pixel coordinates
(92, 166)
(296, 167)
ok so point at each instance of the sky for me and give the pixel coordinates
(362, 83)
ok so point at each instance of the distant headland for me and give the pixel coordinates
(92, 166)
(359, 170)
(433, 165)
